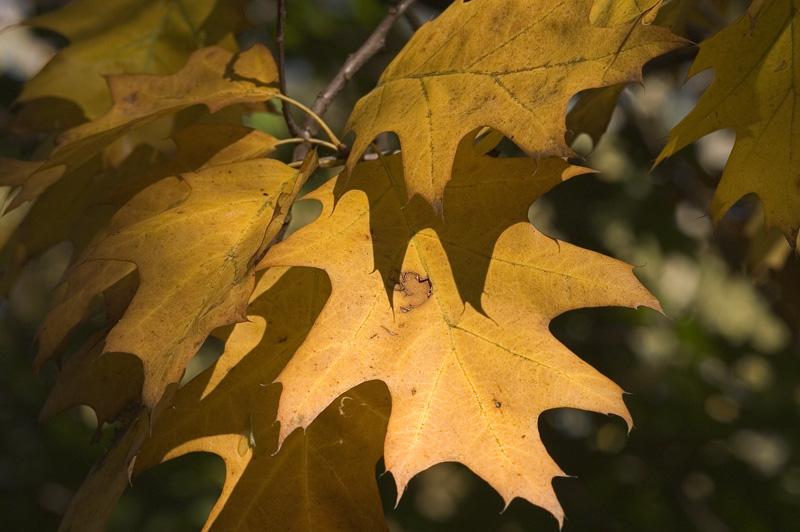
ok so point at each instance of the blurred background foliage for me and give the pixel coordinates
(714, 386)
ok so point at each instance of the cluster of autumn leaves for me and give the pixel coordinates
(410, 320)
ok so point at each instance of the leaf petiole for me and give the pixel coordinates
(334, 139)
(298, 140)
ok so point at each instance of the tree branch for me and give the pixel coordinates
(294, 129)
(374, 43)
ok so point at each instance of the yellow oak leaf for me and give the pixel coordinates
(74, 210)
(323, 479)
(198, 146)
(108, 38)
(466, 385)
(191, 280)
(80, 207)
(212, 76)
(754, 92)
(478, 65)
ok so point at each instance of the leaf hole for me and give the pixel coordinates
(208, 353)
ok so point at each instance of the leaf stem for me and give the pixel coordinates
(313, 116)
(298, 140)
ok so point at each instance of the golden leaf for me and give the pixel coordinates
(80, 207)
(323, 479)
(757, 96)
(467, 385)
(212, 76)
(511, 65)
(195, 262)
(109, 38)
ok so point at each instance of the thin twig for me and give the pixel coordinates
(294, 129)
(374, 43)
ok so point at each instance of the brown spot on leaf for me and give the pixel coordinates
(414, 291)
